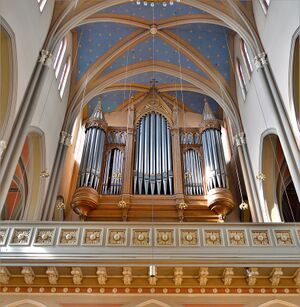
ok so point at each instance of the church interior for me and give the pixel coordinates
(150, 153)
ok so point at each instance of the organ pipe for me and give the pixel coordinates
(193, 183)
(91, 162)
(153, 168)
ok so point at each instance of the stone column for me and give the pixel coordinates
(251, 189)
(10, 156)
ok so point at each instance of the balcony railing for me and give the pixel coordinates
(134, 243)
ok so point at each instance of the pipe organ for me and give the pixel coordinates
(143, 151)
(112, 180)
(153, 167)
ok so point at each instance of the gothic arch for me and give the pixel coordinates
(277, 303)
(294, 77)
(25, 193)
(8, 61)
(26, 303)
(276, 175)
(152, 303)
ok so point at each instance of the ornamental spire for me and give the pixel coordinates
(207, 112)
(98, 112)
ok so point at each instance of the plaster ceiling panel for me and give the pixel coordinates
(211, 41)
(195, 101)
(156, 13)
(110, 100)
(160, 78)
(95, 39)
(155, 48)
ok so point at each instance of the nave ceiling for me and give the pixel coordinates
(117, 54)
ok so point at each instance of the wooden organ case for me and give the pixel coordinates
(154, 168)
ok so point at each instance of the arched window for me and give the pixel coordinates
(59, 56)
(296, 80)
(265, 5)
(64, 77)
(246, 58)
(42, 4)
(241, 77)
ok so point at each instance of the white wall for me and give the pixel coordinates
(30, 28)
(257, 112)
(276, 30)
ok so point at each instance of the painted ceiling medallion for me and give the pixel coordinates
(153, 2)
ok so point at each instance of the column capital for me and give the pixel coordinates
(240, 139)
(65, 138)
(261, 60)
(45, 57)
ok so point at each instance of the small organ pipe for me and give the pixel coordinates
(152, 153)
(169, 159)
(141, 156)
(135, 178)
(164, 155)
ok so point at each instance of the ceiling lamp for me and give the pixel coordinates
(153, 2)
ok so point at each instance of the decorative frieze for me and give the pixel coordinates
(44, 236)
(127, 276)
(68, 236)
(92, 237)
(21, 236)
(3, 235)
(178, 276)
(212, 237)
(188, 237)
(141, 237)
(260, 237)
(252, 274)
(117, 237)
(165, 237)
(227, 276)
(283, 237)
(237, 238)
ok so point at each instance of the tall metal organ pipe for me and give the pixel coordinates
(153, 168)
(86, 195)
(91, 162)
(215, 168)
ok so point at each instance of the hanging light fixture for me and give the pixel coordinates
(152, 3)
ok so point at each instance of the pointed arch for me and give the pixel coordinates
(8, 60)
(27, 303)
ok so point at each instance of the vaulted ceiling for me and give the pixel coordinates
(110, 29)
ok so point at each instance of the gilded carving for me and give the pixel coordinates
(21, 236)
(252, 274)
(283, 237)
(92, 237)
(178, 276)
(141, 237)
(127, 276)
(29, 275)
(68, 236)
(102, 276)
(236, 237)
(152, 280)
(52, 275)
(116, 237)
(77, 275)
(276, 276)
(297, 278)
(260, 237)
(188, 237)
(165, 237)
(227, 276)
(203, 276)
(4, 275)
(44, 237)
(212, 237)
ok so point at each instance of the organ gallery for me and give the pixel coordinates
(158, 162)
